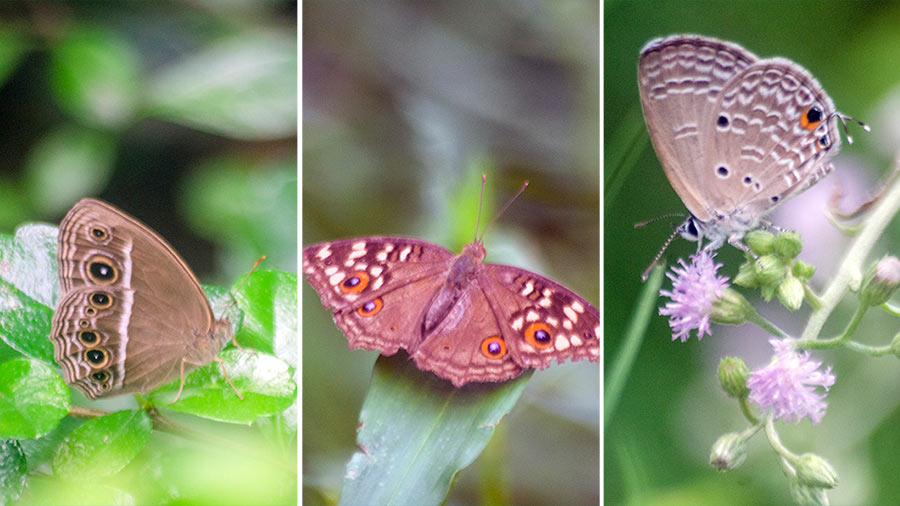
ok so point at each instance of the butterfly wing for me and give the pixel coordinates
(131, 309)
(377, 287)
(679, 79)
(772, 131)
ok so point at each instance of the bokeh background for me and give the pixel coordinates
(183, 114)
(405, 105)
(658, 436)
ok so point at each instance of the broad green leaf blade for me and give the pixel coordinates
(244, 87)
(103, 446)
(269, 301)
(24, 324)
(95, 76)
(66, 165)
(33, 399)
(41, 451)
(12, 470)
(417, 431)
(47, 490)
(265, 382)
(28, 262)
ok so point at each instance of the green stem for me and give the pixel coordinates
(865, 349)
(894, 310)
(811, 298)
(775, 441)
(851, 266)
(766, 325)
(748, 413)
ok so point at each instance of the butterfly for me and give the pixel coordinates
(462, 319)
(736, 135)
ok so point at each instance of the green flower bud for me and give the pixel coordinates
(746, 276)
(803, 270)
(731, 308)
(814, 471)
(880, 281)
(769, 269)
(760, 241)
(788, 245)
(768, 292)
(733, 374)
(728, 452)
(808, 496)
(790, 293)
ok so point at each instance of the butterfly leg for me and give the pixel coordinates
(228, 379)
(224, 373)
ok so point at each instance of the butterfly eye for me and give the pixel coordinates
(538, 335)
(101, 270)
(355, 283)
(97, 358)
(493, 347)
(370, 308)
(812, 117)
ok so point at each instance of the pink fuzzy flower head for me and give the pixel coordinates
(694, 289)
(787, 386)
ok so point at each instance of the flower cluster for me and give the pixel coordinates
(695, 287)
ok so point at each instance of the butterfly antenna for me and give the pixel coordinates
(480, 202)
(646, 273)
(653, 220)
(233, 302)
(505, 206)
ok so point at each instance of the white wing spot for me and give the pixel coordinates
(597, 331)
(376, 270)
(359, 245)
(547, 292)
(572, 315)
(356, 253)
(337, 278)
(532, 316)
(561, 343)
(567, 325)
(529, 287)
(517, 323)
(324, 253)
(577, 306)
(552, 321)
(576, 341)
(405, 253)
(545, 302)
(377, 284)
(381, 256)
(349, 263)
(329, 271)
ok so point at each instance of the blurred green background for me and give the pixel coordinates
(184, 114)
(405, 105)
(657, 438)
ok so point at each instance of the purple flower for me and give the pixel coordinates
(787, 385)
(694, 289)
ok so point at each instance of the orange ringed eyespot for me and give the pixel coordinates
(811, 118)
(493, 347)
(370, 308)
(538, 335)
(357, 282)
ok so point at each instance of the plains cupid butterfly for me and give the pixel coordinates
(736, 135)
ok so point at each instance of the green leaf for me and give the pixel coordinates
(269, 301)
(13, 46)
(33, 399)
(47, 490)
(12, 470)
(66, 165)
(417, 431)
(28, 261)
(24, 324)
(41, 451)
(103, 446)
(264, 381)
(243, 87)
(95, 76)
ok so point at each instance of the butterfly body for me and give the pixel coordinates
(456, 316)
(131, 313)
(736, 135)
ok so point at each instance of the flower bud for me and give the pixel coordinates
(803, 270)
(733, 374)
(746, 276)
(814, 471)
(788, 245)
(728, 452)
(759, 241)
(808, 496)
(769, 269)
(880, 281)
(731, 308)
(790, 293)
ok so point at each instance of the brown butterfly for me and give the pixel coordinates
(458, 317)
